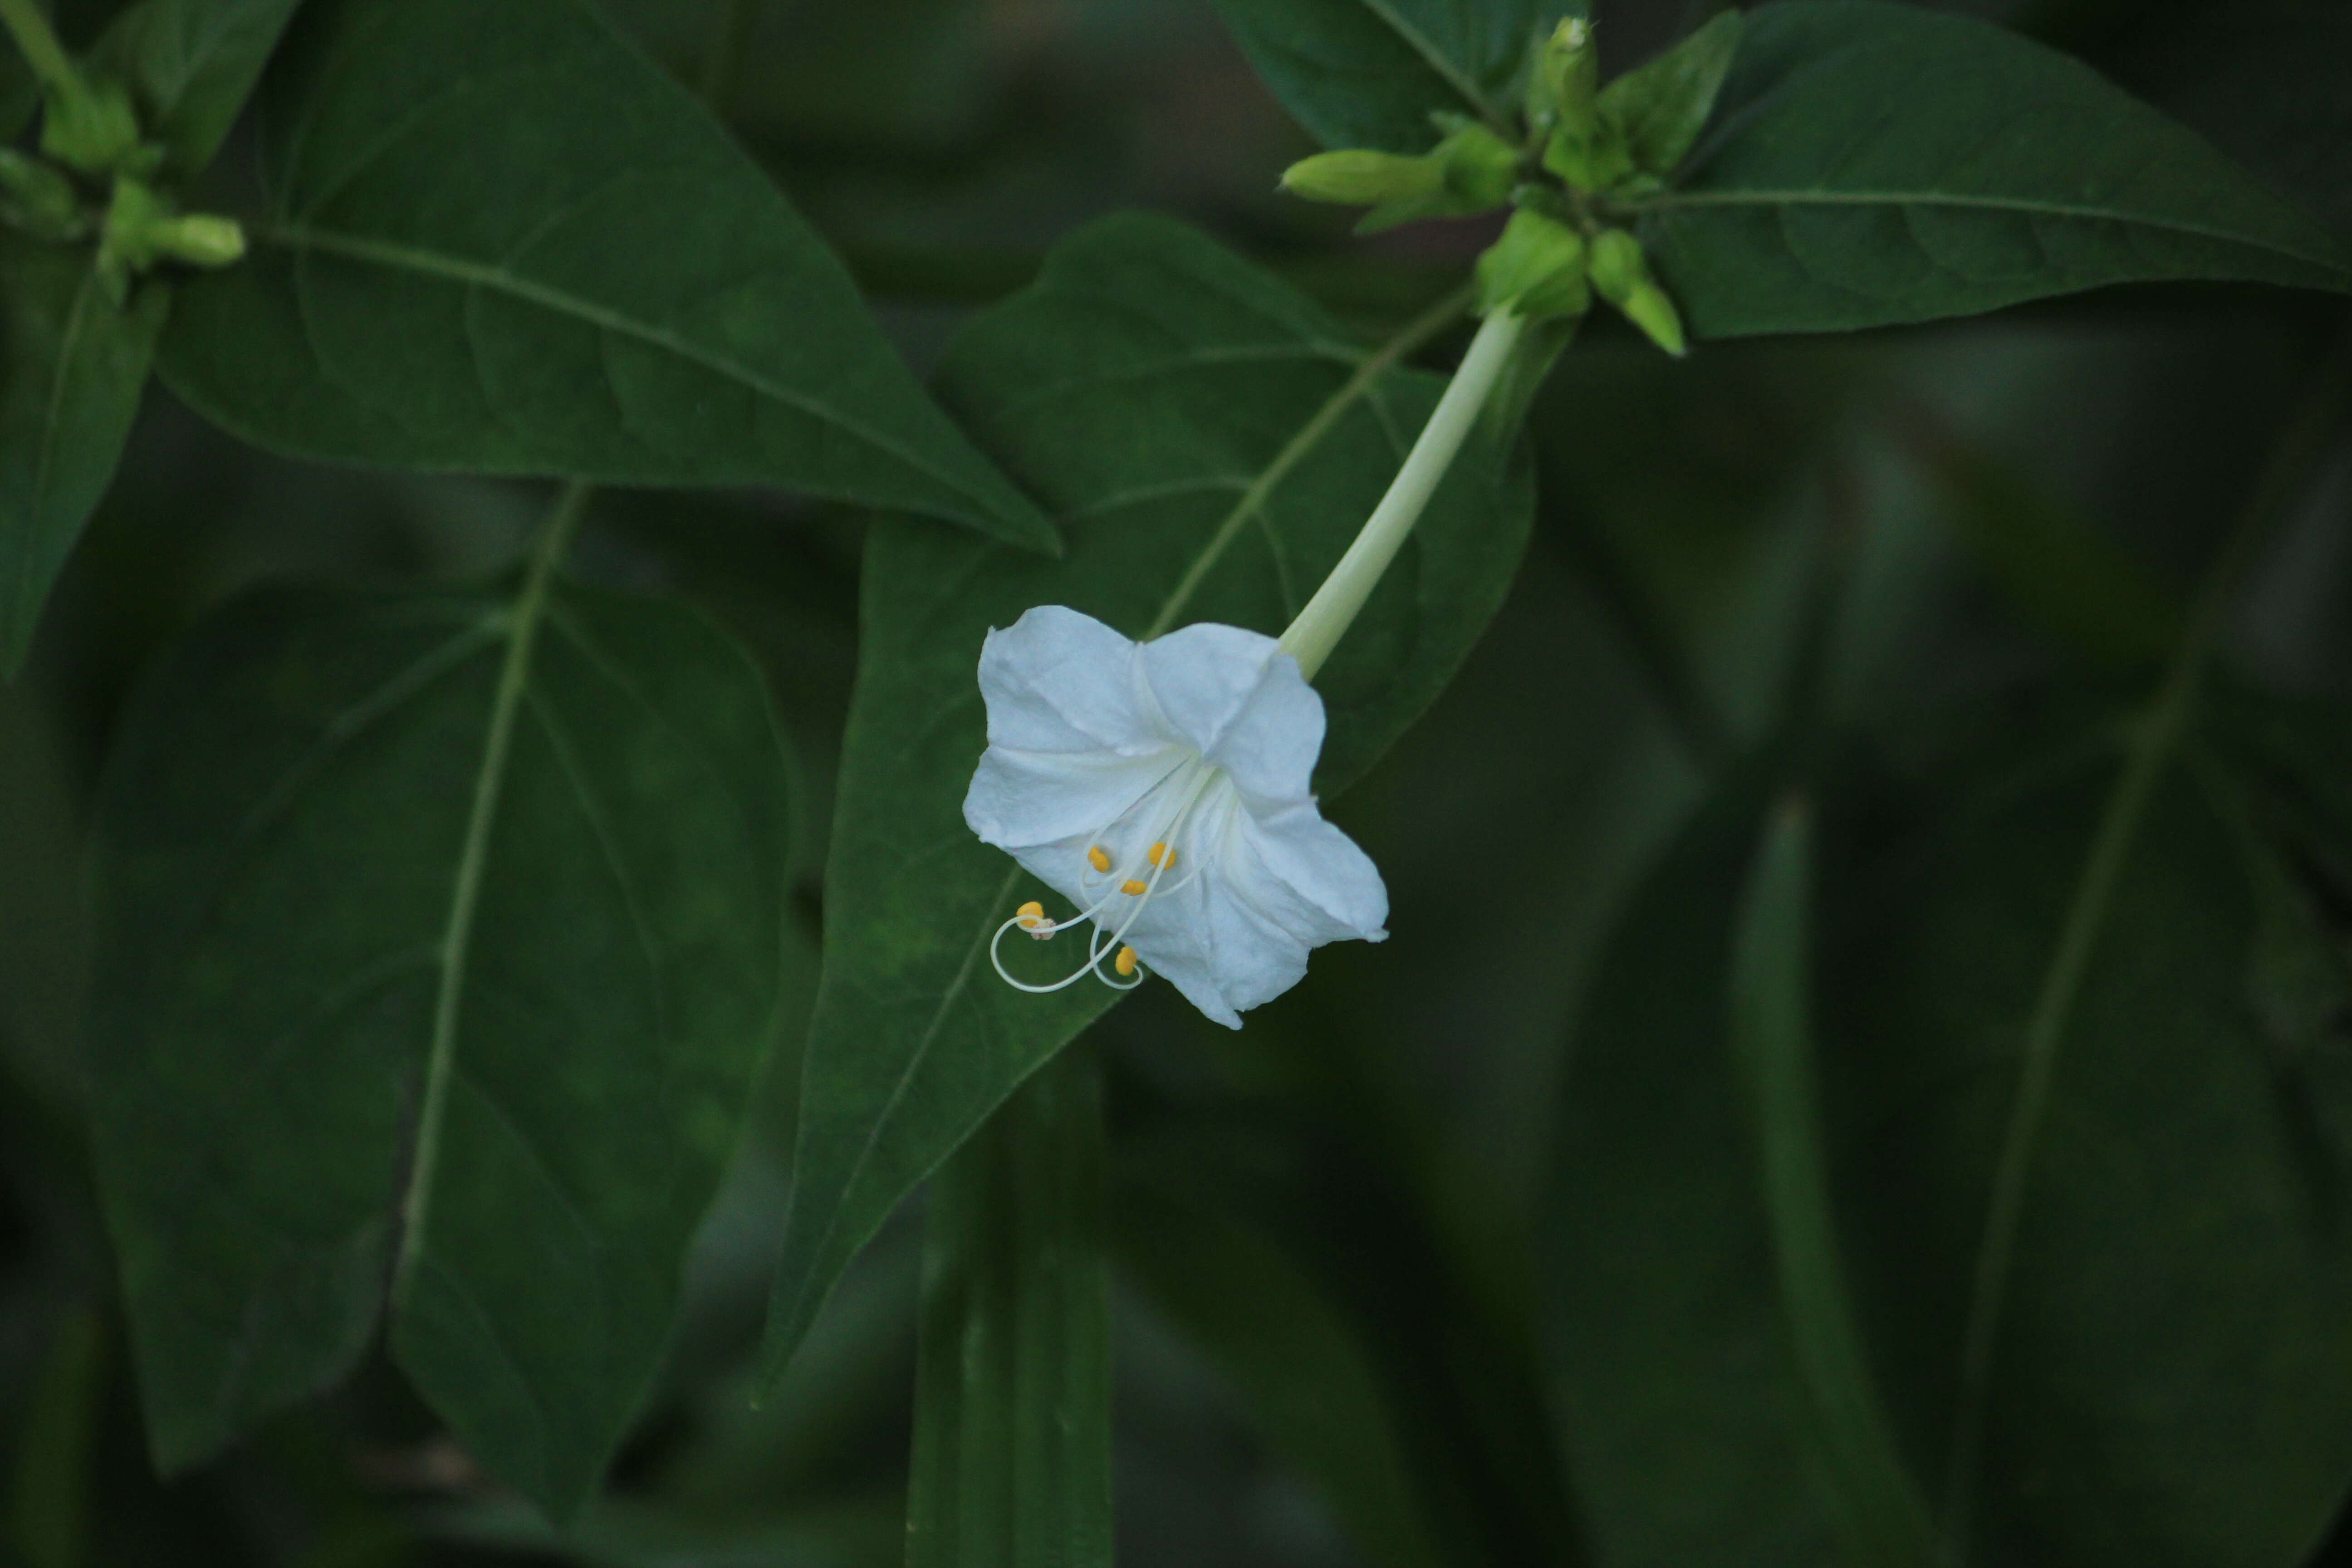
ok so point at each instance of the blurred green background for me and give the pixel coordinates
(1331, 1337)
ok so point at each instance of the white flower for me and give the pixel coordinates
(1162, 788)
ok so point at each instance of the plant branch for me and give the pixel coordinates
(2307, 442)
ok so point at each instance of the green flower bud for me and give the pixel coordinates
(93, 128)
(1360, 178)
(1536, 269)
(201, 240)
(1480, 167)
(37, 198)
(1622, 274)
(1564, 86)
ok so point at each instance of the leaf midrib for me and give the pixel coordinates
(465, 897)
(1435, 58)
(1405, 341)
(481, 275)
(2082, 212)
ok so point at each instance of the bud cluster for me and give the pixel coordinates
(1587, 149)
(96, 176)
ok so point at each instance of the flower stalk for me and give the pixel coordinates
(1311, 637)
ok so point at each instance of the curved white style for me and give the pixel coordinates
(1162, 788)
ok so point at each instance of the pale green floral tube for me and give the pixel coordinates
(1332, 610)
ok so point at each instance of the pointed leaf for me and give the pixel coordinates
(72, 366)
(1012, 1463)
(1884, 163)
(1368, 73)
(192, 64)
(1211, 443)
(499, 239)
(1662, 106)
(440, 942)
(2181, 1206)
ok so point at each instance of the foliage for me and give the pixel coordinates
(501, 1049)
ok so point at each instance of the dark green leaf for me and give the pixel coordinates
(2054, 565)
(192, 64)
(1874, 1504)
(1882, 164)
(1368, 73)
(1012, 1463)
(499, 239)
(1199, 431)
(2170, 1383)
(440, 942)
(1299, 1364)
(19, 94)
(1663, 106)
(72, 366)
(50, 1494)
(1689, 1408)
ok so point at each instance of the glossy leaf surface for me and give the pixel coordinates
(501, 241)
(1210, 443)
(73, 367)
(1011, 1464)
(431, 960)
(1368, 73)
(1873, 165)
(192, 64)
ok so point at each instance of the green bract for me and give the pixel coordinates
(1536, 268)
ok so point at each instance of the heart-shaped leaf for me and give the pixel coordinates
(73, 364)
(499, 239)
(1876, 164)
(1210, 443)
(440, 942)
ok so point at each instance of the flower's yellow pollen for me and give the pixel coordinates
(1125, 961)
(1098, 860)
(1131, 888)
(1031, 917)
(1161, 856)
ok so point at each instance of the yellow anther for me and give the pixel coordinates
(1131, 888)
(1125, 961)
(1161, 855)
(1031, 917)
(1098, 860)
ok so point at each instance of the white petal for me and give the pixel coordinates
(1308, 875)
(1239, 702)
(1021, 799)
(1057, 680)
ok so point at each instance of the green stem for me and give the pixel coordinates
(1407, 338)
(2306, 443)
(1012, 1462)
(555, 541)
(1328, 613)
(41, 49)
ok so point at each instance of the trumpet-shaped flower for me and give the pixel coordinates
(1161, 787)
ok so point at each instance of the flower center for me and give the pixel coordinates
(1124, 868)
